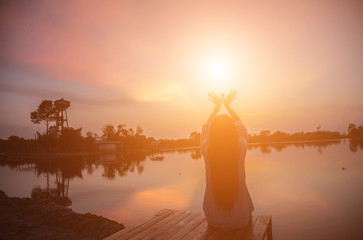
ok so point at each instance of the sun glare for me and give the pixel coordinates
(217, 68)
(217, 72)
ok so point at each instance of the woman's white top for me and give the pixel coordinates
(241, 212)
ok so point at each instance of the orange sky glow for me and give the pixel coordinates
(295, 64)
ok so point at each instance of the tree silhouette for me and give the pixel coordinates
(70, 139)
(195, 137)
(265, 133)
(110, 133)
(130, 132)
(46, 113)
(351, 127)
(355, 132)
(139, 130)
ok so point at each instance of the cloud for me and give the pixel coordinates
(102, 45)
(46, 93)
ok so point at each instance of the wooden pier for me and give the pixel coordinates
(174, 225)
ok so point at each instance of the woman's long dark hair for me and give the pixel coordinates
(223, 157)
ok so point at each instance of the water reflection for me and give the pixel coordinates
(63, 169)
(156, 157)
(119, 164)
(195, 154)
(355, 144)
(59, 171)
(266, 148)
(311, 190)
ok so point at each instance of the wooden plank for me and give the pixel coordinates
(233, 233)
(200, 232)
(260, 227)
(222, 234)
(246, 233)
(177, 225)
(269, 230)
(160, 216)
(267, 221)
(151, 227)
(166, 230)
(126, 230)
(189, 227)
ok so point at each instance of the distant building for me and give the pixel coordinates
(108, 146)
(107, 157)
(62, 118)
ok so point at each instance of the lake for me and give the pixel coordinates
(312, 190)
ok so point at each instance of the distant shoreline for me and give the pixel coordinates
(298, 141)
(13, 156)
(263, 143)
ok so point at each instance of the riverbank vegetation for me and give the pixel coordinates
(72, 140)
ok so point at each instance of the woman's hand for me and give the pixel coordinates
(231, 96)
(213, 97)
(227, 101)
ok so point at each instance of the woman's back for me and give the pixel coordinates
(227, 203)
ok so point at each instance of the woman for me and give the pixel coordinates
(227, 203)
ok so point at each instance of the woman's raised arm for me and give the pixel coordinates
(227, 102)
(213, 97)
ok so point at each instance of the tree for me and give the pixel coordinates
(70, 139)
(265, 133)
(122, 131)
(130, 132)
(139, 130)
(46, 113)
(14, 138)
(355, 132)
(89, 134)
(351, 127)
(195, 137)
(110, 133)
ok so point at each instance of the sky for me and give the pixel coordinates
(295, 64)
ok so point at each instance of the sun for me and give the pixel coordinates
(217, 68)
(218, 72)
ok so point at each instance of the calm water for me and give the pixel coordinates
(312, 191)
